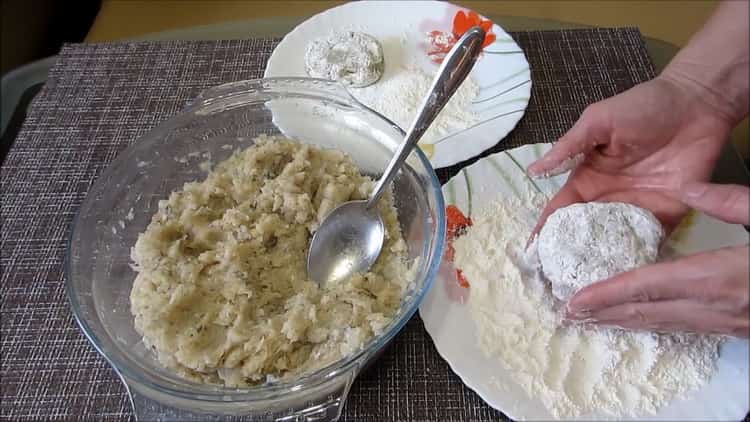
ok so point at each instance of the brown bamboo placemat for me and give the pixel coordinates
(101, 97)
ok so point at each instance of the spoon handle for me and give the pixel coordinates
(455, 68)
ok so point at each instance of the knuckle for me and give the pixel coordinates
(732, 293)
(735, 202)
(635, 313)
(640, 294)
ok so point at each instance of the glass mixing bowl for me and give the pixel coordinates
(120, 205)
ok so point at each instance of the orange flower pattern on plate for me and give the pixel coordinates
(441, 42)
(456, 224)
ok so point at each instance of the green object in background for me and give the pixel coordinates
(19, 83)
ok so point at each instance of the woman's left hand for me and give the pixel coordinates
(707, 292)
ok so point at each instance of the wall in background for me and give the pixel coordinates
(669, 20)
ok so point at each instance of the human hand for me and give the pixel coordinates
(707, 292)
(636, 146)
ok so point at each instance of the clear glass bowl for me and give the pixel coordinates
(120, 205)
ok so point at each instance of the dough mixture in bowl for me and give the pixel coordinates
(222, 294)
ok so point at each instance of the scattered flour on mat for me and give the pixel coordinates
(574, 370)
(398, 96)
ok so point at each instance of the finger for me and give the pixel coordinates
(680, 279)
(567, 195)
(730, 203)
(672, 315)
(571, 148)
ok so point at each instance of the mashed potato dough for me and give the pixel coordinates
(222, 294)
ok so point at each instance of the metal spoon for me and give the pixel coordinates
(351, 236)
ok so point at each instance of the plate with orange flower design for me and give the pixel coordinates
(414, 36)
(453, 327)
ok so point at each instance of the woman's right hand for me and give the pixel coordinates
(663, 133)
(639, 147)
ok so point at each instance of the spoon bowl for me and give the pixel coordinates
(351, 240)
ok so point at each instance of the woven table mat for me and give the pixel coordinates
(101, 97)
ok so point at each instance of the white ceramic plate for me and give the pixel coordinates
(451, 327)
(502, 73)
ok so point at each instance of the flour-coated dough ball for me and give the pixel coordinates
(584, 243)
(350, 57)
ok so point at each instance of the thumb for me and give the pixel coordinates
(570, 150)
(730, 203)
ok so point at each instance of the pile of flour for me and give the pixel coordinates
(573, 369)
(399, 93)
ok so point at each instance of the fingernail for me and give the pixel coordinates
(565, 165)
(531, 171)
(693, 190)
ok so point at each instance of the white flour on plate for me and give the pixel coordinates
(573, 370)
(400, 91)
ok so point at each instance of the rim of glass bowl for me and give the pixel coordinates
(211, 392)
